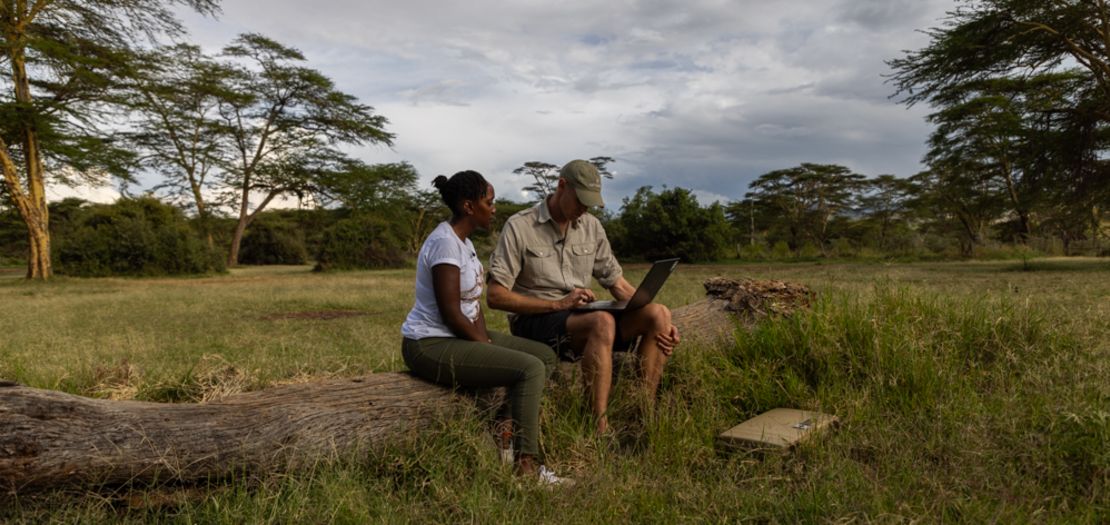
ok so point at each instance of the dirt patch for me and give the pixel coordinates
(320, 315)
(756, 298)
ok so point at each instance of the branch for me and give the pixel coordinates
(1082, 55)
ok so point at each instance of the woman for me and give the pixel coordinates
(445, 336)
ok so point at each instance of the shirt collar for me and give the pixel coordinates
(543, 214)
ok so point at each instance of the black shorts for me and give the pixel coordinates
(552, 329)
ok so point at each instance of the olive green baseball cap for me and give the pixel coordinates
(586, 181)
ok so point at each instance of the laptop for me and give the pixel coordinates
(780, 428)
(650, 286)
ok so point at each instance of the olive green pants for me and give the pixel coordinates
(520, 364)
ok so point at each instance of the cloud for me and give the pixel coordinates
(703, 94)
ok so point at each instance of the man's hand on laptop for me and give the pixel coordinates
(577, 297)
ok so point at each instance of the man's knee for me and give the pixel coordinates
(597, 326)
(656, 318)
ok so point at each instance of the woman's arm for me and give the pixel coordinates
(481, 321)
(445, 282)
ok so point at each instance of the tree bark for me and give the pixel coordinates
(30, 200)
(50, 438)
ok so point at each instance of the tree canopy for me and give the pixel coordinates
(65, 59)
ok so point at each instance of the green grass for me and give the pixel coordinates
(969, 392)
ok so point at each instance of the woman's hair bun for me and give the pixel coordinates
(439, 181)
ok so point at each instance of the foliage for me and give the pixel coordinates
(65, 60)
(271, 126)
(805, 199)
(671, 224)
(1022, 89)
(13, 237)
(545, 176)
(274, 242)
(139, 236)
(984, 39)
(362, 241)
(174, 99)
(362, 187)
(884, 206)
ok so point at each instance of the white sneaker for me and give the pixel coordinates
(547, 477)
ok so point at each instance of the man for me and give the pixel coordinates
(541, 269)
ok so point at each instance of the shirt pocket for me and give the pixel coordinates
(582, 260)
(541, 267)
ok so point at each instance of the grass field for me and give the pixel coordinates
(969, 392)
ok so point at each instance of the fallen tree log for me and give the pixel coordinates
(50, 438)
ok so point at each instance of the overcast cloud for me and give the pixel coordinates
(702, 94)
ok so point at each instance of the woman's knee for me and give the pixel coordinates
(534, 369)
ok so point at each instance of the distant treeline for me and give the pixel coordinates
(803, 213)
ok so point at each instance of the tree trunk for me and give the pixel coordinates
(50, 438)
(32, 200)
(38, 259)
(245, 220)
(236, 240)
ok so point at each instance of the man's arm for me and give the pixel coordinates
(622, 290)
(503, 298)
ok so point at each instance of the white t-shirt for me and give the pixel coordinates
(443, 246)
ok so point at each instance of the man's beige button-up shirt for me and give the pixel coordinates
(532, 258)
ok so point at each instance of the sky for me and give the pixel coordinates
(701, 94)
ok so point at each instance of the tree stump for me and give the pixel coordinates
(50, 438)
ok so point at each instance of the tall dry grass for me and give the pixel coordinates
(969, 392)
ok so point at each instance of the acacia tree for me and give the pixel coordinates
(986, 40)
(373, 187)
(884, 203)
(284, 123)
(545, 176)
(176, 95)
(957, 199)
(808, 197)
(983, 39)
(985, 121)
(65, 58)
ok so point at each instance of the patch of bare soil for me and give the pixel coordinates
(760, 298)
(320, 315)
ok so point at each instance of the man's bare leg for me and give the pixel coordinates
(649, 321)
(593, 334)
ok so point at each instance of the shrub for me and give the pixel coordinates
(781, 250)
(273, 242)
(362, 241)
(141, 236)
(753, 252)
(842, 247)
(809, 252)
(672, 224)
